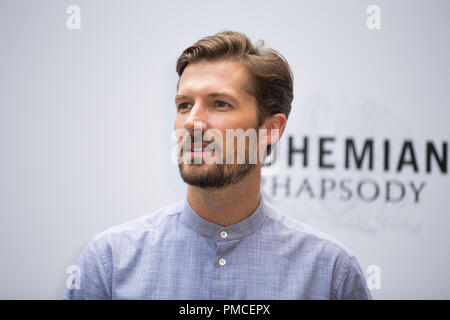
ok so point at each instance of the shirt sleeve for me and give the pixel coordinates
(94, 274)
(353, 284)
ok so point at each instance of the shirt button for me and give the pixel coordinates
(223, 234)
(222, 261)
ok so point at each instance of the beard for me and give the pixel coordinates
(215, 175)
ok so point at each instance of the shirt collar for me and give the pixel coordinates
(232, 232)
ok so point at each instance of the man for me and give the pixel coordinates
(222, 241)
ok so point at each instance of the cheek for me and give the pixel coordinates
(232, 121)
(178, 123)
(178, 129)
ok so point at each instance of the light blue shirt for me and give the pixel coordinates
(173, 253)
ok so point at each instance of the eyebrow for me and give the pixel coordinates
(212, 95)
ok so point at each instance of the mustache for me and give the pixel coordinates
(189, 141)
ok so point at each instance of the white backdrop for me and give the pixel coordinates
(86, 117)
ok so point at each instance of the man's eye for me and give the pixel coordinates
(183, 106)
(221, 104)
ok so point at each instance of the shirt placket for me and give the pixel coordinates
(222, 279)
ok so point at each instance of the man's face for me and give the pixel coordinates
(211, 94)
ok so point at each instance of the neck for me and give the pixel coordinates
(228, 205)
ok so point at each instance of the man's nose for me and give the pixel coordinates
(197, 118)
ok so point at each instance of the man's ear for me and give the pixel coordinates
(274, 125)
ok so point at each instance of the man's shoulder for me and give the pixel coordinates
(327, 257)
(141, 224)
(305, 233)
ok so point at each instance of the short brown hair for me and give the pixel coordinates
(270, 74)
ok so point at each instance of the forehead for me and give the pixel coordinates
(205, 76)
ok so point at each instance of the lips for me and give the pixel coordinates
(198, 147)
